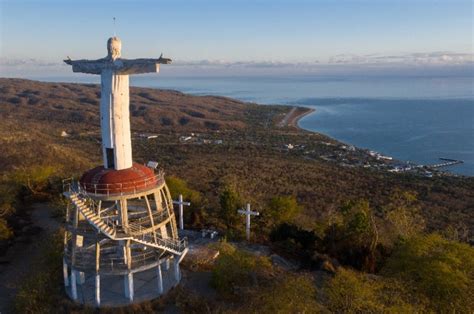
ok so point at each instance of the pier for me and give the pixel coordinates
(446, 162)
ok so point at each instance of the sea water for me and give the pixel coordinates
(418, 119)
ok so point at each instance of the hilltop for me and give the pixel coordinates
(253, 154)
(321, 206)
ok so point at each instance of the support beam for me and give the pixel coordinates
(73, 285)
(177, 273)
(123, 243)
(122, 205)
(148, 206)
(164, 232)
(129, 255)
(65, 273)
(97, 276)
(80, 277)
(129, 286)
(68, 218)
(159, 276)
(170, 211)
(97, 290)
(167, 263)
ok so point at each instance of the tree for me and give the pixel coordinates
(178, 186)
(35, 178)
(439, 269)
(354, 238)
(403, 214)
(282, 209)
(230, 202)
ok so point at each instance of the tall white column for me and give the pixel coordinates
(81, 277)
(177, 274)
(97, 290)
(73, 285)
(65, 273)
(159, 276)
(97, 276)
(129, 286)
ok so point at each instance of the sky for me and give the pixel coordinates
(246, 36)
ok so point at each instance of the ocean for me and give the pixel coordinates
(418, 119)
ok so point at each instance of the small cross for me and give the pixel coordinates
(181, 203)
(247, 212)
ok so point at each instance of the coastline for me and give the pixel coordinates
(294, 121)
(292, 118)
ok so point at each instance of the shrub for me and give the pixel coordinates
(283, 209)
(439, 269)
(41, 292)
(353, 292)
(236, 269)
(34, 178)
(5, 231)
(290, 294)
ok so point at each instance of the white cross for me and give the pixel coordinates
(247, 212)
(181, 203)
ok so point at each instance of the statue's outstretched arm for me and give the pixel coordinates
(144, 65)
(86, 66)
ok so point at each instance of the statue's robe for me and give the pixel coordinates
(114, 103)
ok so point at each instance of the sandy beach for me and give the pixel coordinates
(294, 115)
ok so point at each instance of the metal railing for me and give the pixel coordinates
(177, 245)
(145, 223)
(85, 259)
(112, 189)
(92, 207)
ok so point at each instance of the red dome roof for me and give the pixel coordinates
(110, 181)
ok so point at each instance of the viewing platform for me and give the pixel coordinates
(108, 183)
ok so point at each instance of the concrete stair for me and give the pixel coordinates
(176, 247)
(92, 217)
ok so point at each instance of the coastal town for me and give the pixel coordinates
(312, 148)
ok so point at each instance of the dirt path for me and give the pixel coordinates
(284, 121)
(22, 254)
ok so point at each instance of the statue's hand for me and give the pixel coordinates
(68, 61)
(164, 60)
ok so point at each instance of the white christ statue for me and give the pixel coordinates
(115, 99)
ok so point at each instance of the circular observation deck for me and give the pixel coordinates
(103, 181)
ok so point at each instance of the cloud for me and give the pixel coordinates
(430, 58)
(426, 63)
(15, 62)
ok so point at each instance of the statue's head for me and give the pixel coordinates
(114, 47)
